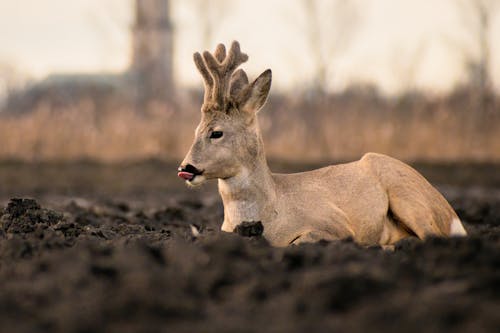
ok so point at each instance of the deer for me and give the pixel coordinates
(376, 200)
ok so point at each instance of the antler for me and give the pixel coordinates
(217, 70)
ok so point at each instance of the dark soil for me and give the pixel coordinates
(120, 258)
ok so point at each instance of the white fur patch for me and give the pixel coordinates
(197, 180)
(456, 228)
(226, 227)
(194, 230)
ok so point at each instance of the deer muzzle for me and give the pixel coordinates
(188, 172)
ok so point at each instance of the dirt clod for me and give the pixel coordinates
(249, 229)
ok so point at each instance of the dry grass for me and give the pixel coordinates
(338, 128)
(83, 132)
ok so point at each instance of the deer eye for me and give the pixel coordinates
(216, 135)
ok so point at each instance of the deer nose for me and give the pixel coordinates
(188, 172)
(190, 168)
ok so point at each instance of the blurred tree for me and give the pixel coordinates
(210, 13)
(477, 16)
(110, 26)
(152, 58)
(405, 64)
(11, 79)
(329, 28)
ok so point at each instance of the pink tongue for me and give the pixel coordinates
(185, 175)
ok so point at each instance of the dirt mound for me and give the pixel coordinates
(111, 266)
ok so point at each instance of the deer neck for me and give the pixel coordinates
(248, 196)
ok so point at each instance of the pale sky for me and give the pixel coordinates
(397, 43)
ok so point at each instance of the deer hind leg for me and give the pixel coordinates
(329, 232)
(314, 237)
(414, 203)
(414, 214)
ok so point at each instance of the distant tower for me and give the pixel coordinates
(152, 63)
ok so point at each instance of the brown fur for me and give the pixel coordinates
(376, 200)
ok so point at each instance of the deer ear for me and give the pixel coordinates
(254, 96)
(239, 81)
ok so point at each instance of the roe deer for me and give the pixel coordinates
(376, 200)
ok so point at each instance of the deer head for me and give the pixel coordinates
(228, 139)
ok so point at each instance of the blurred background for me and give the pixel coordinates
(113, 80)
